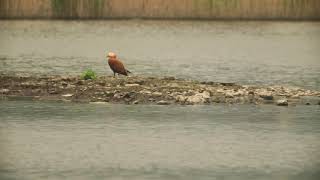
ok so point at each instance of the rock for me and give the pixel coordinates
(151, 99)
(173, 85)
(140, 82)
(180, 98)
(131, 85)
(67, 95)
(163, 102)
(199, 98)
(129, 94)
(135, 102)
(145, 92)
(157, 94)
(195, 100)
(108, 93)
(4, 91)
(308, 103)
(117, 96)
(229, 95)
(282, 102)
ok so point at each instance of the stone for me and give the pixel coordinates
(157, 94)
(131, 85)
(129, 94)
(229, 95)
(163, 102)
(151, 99)
(135, 102)
(173, 85)
(180, 98)
(4, 91)
(199, 98)
(145, 92)
(67, 95)
(282, 102)
(117, 96)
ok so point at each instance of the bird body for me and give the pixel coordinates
(116, 65)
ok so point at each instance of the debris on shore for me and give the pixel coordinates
(150, 90)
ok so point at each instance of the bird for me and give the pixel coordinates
(116, 65)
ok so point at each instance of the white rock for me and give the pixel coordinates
(67, 95)
(199, 98)
(282, 102)
(163, 103)
(4, 90)
(195, 99)
(131, 85)
(145, 92)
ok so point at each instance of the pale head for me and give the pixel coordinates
(111, 55)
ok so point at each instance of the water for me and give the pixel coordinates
(277, 53)
(48, 140)
(42, 140)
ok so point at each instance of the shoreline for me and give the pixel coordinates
(150, 90)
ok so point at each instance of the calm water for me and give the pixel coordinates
(42, 140)
(279, 53)
(47, 140)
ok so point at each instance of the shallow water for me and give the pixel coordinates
(42, 140)
(277, 53)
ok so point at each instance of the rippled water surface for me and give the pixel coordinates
(279, 53)
(41, 140)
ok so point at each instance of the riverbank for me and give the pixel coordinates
(150, 90)
(161, 9)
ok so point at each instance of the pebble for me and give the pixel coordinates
(4, 91)
(163, 102)
(145, 92)
(131, 85)
(67, 95)
(157, 94)
(282, 102)
(180, 98)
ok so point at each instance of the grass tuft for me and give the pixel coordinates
(89, 74)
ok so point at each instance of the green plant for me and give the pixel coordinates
(89, 74)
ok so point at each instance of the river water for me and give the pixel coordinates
(51, 140)
(278, 53)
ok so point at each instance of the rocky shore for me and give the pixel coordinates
(150, 90)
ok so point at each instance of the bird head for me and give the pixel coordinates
(111, 55)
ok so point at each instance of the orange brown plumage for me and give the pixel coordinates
(116, 65)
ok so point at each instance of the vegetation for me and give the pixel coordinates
(228, 9)
(89, 74)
